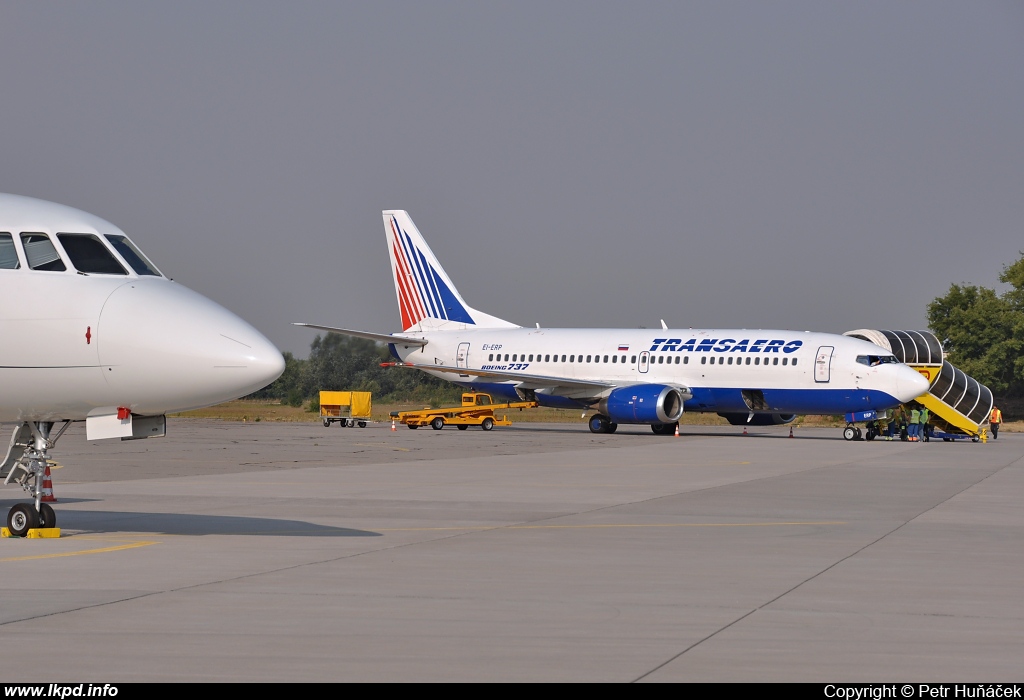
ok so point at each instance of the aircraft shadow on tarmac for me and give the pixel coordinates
(644, 432)
(112, 522)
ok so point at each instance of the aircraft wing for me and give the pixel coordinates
(560, 386)
(379, 337)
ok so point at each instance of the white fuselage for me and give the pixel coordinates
(798, 372)
(73, 344)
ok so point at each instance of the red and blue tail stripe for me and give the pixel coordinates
(422, 291)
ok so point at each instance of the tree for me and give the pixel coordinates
(983, 333)
(341, 363)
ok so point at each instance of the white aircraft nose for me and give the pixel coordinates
(164, 348)
(910, 384)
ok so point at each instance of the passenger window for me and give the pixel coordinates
(132, 255)
(490, 358)
(615, 358)
(531, 357)
(757, 360)
(686, 360)
(794, 361)
(572, 358)
(506, 357)
(563, 358)
(514, 358)
(703, 359)
(632, 360)
(748, 361)
(40, 253)
(730, 360)
(785, 360)
(775, 360)
(605, 358)
(89, 255)
(588, 358)
(8, 255)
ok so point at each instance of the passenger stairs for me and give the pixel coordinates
(958, 400)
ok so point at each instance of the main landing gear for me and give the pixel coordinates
(852, 432)
(602, 424)
(25, 464)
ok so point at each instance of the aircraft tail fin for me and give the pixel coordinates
(427, 298)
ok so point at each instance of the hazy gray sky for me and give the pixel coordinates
(808, 165)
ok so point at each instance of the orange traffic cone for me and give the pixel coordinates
(744, 429)
(48, 496)
(393, 428)
(677, 430)
(791, 431)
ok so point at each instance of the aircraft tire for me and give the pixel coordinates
(22, 518)
(598, 423)
(47, 518)
(849, 433)
(487, 424)
(437, 423)
(612, 427)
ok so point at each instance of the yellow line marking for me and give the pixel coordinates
(101, 550)
(594, 527)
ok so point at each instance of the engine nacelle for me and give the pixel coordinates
(643, 403)
(759, 418)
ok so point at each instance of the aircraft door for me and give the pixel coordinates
(462, 356)
(645, 360)
(823, 364)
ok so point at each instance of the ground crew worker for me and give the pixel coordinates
(994, 419)
(901, 423)
(915, 425)
(925, 415)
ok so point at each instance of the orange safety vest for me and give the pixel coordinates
(996, 417)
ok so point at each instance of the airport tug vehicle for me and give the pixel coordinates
(477, 409)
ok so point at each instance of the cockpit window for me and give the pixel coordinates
(132, 255)
(40, 253)
(875, 360)
(88, 254)
(8, 255)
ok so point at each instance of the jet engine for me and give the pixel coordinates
(759, 418)
(644, 403)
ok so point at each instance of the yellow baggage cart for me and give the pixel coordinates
(350, 408)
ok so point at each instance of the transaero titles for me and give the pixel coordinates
(725, 345)
(923, 690)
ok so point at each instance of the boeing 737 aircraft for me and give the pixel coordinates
(92, 331)
(630, 375)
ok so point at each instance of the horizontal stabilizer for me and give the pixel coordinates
(379, 337)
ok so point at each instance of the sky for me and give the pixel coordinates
(818, 166)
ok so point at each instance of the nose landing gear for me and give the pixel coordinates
(25, 464)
